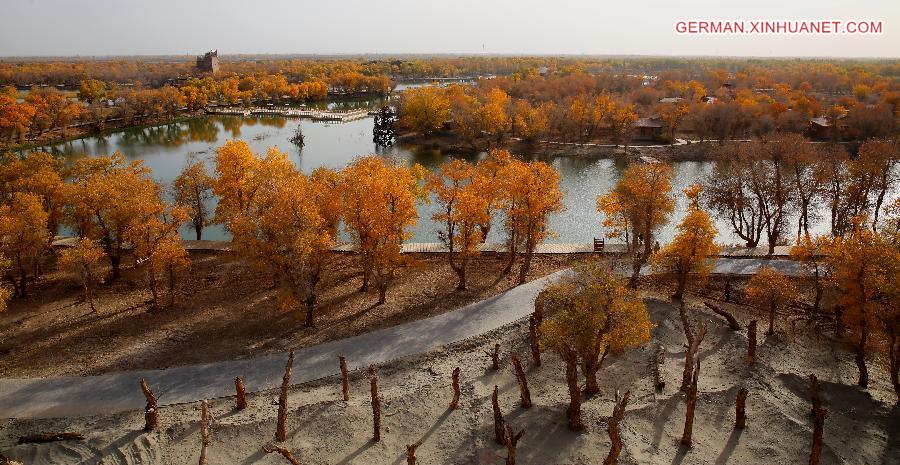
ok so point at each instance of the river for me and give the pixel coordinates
(165, 149)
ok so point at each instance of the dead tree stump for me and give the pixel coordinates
(454, 404)
(535, 342)
(270, 448)
(204, 431)
(376, 404)
(281, 430)
(818, 431)
(151, 411)
(495, 357)
(573, 413)
(411, 453)
(751, 343)
(241, 400)
(740, 408)
(345, 378)
(524, 393)
(615, 435)
(512, 439)
(499, 424)
(658, 359)
(49, 437)
(691, 405)
(814, 394)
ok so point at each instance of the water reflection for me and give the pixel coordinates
(165, 148)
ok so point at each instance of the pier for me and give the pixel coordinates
(315, 115)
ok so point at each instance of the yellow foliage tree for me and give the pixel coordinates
(107, 199)
(424, 109)
(379, 200)
(463, 207)
(233, 185)
(771, 291)
(83, 259)
(863, 271)
(529, 194)
(694, 244)
(640, 204)
(193, 190)
(590, 314)
(23, 237)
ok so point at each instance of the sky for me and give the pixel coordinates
(553, 27)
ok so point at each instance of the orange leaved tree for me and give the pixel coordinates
(379, 200)
(462, 208)
(23, 238)
(529, 194)
(108, 197)
(640, 204)
(193, 190)
(771, 291)
(83, 259)
(690, 251)
(590, 314)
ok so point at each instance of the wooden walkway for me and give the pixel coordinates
(437, 247)
(315, 115)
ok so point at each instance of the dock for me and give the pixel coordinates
(315, 115)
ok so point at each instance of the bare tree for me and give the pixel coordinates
(281, 430)
(204, 431)
(512, 439)
(535, 341)
(694, 338)
(740, 408)
(151, 411)
(345, 378)
(241, 400)
(454, 404)
(376, 404)
(818, 431)
(270, 448)
(524, 393)
(499, 424)
(691, 405)
(751, 343)
(411, 453)
(612, 429)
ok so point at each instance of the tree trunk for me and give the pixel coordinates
(310, 310)
(732, 322)
(411, 453)
(751, 343)
(376, 404)
(461, 277)
(115, 262)
(382, 294)
(526, 265)
(658, 359)
(860, 358)
(574, 410)
(535, 342)
(512, 439)
(204, 432)
(270, 448)
(740, 409)
(151, 411)
(693, 345)
(495, 357)
(818, 430)
(281, 430)
(454, 404)
(345, 378)
(499, 424)
(615, 436)
(814, 394)
(241, 400)
(691, 405)
(524, 393)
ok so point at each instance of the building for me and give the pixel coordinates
(648, 128)
(208, 62)
(671, 100)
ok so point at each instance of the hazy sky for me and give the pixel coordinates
(144, 27)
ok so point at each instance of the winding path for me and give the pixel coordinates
(116, 392)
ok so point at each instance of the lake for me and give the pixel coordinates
(165, 149)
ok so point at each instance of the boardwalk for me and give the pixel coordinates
(316, 115)
(115, 392)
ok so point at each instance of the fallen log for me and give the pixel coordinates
(732, 322)
(50, 437)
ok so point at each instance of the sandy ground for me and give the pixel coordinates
(862, 427)
(224, 311)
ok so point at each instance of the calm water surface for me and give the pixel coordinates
(166, 148)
